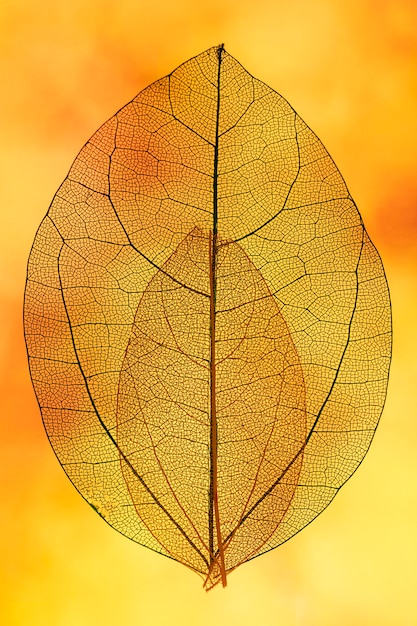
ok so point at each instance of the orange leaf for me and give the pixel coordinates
(207, 322)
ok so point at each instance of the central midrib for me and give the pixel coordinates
(214, 518)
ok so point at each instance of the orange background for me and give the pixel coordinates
(349, 69)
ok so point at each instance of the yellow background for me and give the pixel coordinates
(349, 69)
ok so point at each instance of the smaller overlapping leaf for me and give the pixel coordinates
(207, 322)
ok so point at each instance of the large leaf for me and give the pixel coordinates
(207, 321)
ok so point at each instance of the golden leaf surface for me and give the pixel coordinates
(207, 321)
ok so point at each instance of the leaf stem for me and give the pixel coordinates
(214, 516)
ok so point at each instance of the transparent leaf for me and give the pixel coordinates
(207, 321)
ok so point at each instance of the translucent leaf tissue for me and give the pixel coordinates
(207, 321)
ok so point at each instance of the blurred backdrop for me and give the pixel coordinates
(349, 70)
